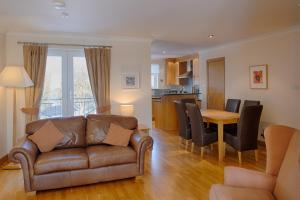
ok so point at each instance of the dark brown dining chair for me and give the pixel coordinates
(232, 105)
(183, 122)
(251, 103)
(189, 100)
(200, 135)
(245, 138)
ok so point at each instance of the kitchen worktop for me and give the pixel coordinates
(169, 94)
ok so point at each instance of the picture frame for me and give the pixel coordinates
(130, 80)
(258, 76)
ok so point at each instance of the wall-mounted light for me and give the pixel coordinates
(59, 4)
(210, 36)
(127, 109)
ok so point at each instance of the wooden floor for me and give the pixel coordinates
(171, 173)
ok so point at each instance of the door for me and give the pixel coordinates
(216, 83)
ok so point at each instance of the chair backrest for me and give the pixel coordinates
(184, 101)
(251, 103)
(233, 105)
(288, 180)
(183, 122)
(247, 127)
(197, 124)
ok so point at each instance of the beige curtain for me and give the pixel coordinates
(35, 57)
(98, 64)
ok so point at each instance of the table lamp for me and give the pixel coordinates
(127, 109)
(14, 77)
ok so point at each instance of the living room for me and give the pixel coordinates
(135, 35)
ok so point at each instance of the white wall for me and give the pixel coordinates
(162, 72)
(128, 55)
(2, 101)
(281, 51)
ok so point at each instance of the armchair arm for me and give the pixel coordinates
(140, 143)
(25, 153)
(240, 177)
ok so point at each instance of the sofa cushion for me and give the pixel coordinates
(118, 136)
(124, 121)
(222, 192)
(96, 130)
(73, 129)
(106, 155)
(47, 137)
(288, 180)
(61, 160)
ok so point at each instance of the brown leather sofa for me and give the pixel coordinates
(81, 158)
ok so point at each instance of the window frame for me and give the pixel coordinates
(67, 77)
(155, 77)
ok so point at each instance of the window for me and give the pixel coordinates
(67, 90)
(154, 76)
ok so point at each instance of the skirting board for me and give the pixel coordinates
(3, 160)
(4, 164)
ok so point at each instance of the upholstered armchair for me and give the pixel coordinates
(281, 180)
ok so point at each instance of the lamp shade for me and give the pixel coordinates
(15, 77)
(126, 109)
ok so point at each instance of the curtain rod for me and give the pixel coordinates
(72, 45)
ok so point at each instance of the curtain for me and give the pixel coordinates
(98, 65)
(35, 57)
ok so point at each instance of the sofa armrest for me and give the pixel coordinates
(140, 143)
(240, 177)
(25, 153)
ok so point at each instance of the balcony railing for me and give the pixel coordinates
(54, 108)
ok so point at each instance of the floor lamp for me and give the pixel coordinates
(14, 77)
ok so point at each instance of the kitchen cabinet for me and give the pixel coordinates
(196, 71)
(172, 68)
(183, 66)
(178, 66)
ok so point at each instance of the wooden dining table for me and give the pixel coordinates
(220, 118)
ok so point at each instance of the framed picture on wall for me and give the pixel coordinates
(130, 80)
(258, 77)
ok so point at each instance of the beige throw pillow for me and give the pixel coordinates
(47, 137)
(117, 136)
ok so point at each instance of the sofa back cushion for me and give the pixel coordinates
(98, 126)
(73, 129)
(288, 180)
(96, 131)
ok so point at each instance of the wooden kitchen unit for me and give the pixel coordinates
(164, 113)
(172, 68)
(177, 66)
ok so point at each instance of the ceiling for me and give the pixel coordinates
(177, 26)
